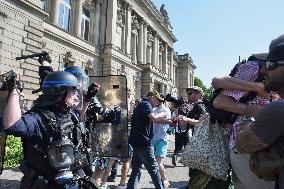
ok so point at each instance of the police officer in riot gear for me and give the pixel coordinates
(53, 151)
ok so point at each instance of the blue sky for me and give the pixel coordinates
(216, 32)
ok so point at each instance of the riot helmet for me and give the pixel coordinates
(58, 84)
(81, 76)
(83, 81)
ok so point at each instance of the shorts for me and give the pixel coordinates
(129, 156)
(160, 148)
(101, 163)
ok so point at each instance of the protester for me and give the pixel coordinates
(268, 129)
(160, 137)
(228, 100)
(141, 138)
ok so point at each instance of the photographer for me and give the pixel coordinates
(187, 115)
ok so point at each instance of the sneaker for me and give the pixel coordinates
(104, 186)
(122, 186)
(111, 178)
(174, 160)
(167, 183)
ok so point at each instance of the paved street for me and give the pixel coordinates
(178, 176)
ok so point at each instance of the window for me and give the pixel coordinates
(42, 4)
(64, 14)
(85, 24)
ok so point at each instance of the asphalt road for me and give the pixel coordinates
(178, 176)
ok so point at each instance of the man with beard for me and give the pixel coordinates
(230, 100)
(268, 129)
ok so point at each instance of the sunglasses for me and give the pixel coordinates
(191, 92)
(271, 65)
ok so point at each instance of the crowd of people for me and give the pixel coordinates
(247, 103)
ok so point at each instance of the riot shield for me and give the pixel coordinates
(3, 137)
(109, 133)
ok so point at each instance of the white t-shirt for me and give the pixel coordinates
(160, 130)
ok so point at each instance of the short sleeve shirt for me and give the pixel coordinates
(141, 133)
(29, 126)
(160, 130)
(248, 71)
(269, 124)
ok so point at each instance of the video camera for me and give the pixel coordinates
(178, 101)
(43, 70)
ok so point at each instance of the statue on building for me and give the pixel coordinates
(164, 12)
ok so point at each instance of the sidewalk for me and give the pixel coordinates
(178, 176)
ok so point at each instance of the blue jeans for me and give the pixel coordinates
(144, 156)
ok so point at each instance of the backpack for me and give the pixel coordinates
(222, 116)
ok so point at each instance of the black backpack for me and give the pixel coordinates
(222, 116)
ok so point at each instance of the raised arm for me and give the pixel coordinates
(228, 82)
(12, 111)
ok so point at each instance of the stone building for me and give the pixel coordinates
(105, 37)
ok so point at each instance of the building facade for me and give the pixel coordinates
(105, 37)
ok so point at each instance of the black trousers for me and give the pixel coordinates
(181, 140)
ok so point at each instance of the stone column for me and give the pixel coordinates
(140, 51)
(154, 51)
(111, 20)
(103, 23)
(145, 44)
(54, 11)
(164, 60)
(97, 21)
(171, 64)
(134, 48)
(158, 54)
(78, 17)
(128, 29)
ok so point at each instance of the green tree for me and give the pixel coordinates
(207, 91)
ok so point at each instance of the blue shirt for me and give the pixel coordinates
(29, 126)
(141, 133)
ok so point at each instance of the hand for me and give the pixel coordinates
(260, 89)
(174, 121)
(92, 91)
(253, 109)
(182, 118)
(203, 117)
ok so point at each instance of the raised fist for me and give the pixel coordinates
(92, 91)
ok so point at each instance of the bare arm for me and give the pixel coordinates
(12, 111)
(157, 119)
(229, 104)
(228, 82)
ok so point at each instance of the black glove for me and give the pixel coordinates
(11, 82)
(92, 91)
(42, 72)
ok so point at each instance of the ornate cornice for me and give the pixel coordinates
(159, 18)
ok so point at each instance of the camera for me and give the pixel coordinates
(178, 101)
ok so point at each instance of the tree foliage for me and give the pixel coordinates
(13, 151)
(207, 91)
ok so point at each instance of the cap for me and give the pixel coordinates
(195, 88)
(156, 94)
(276, 50)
